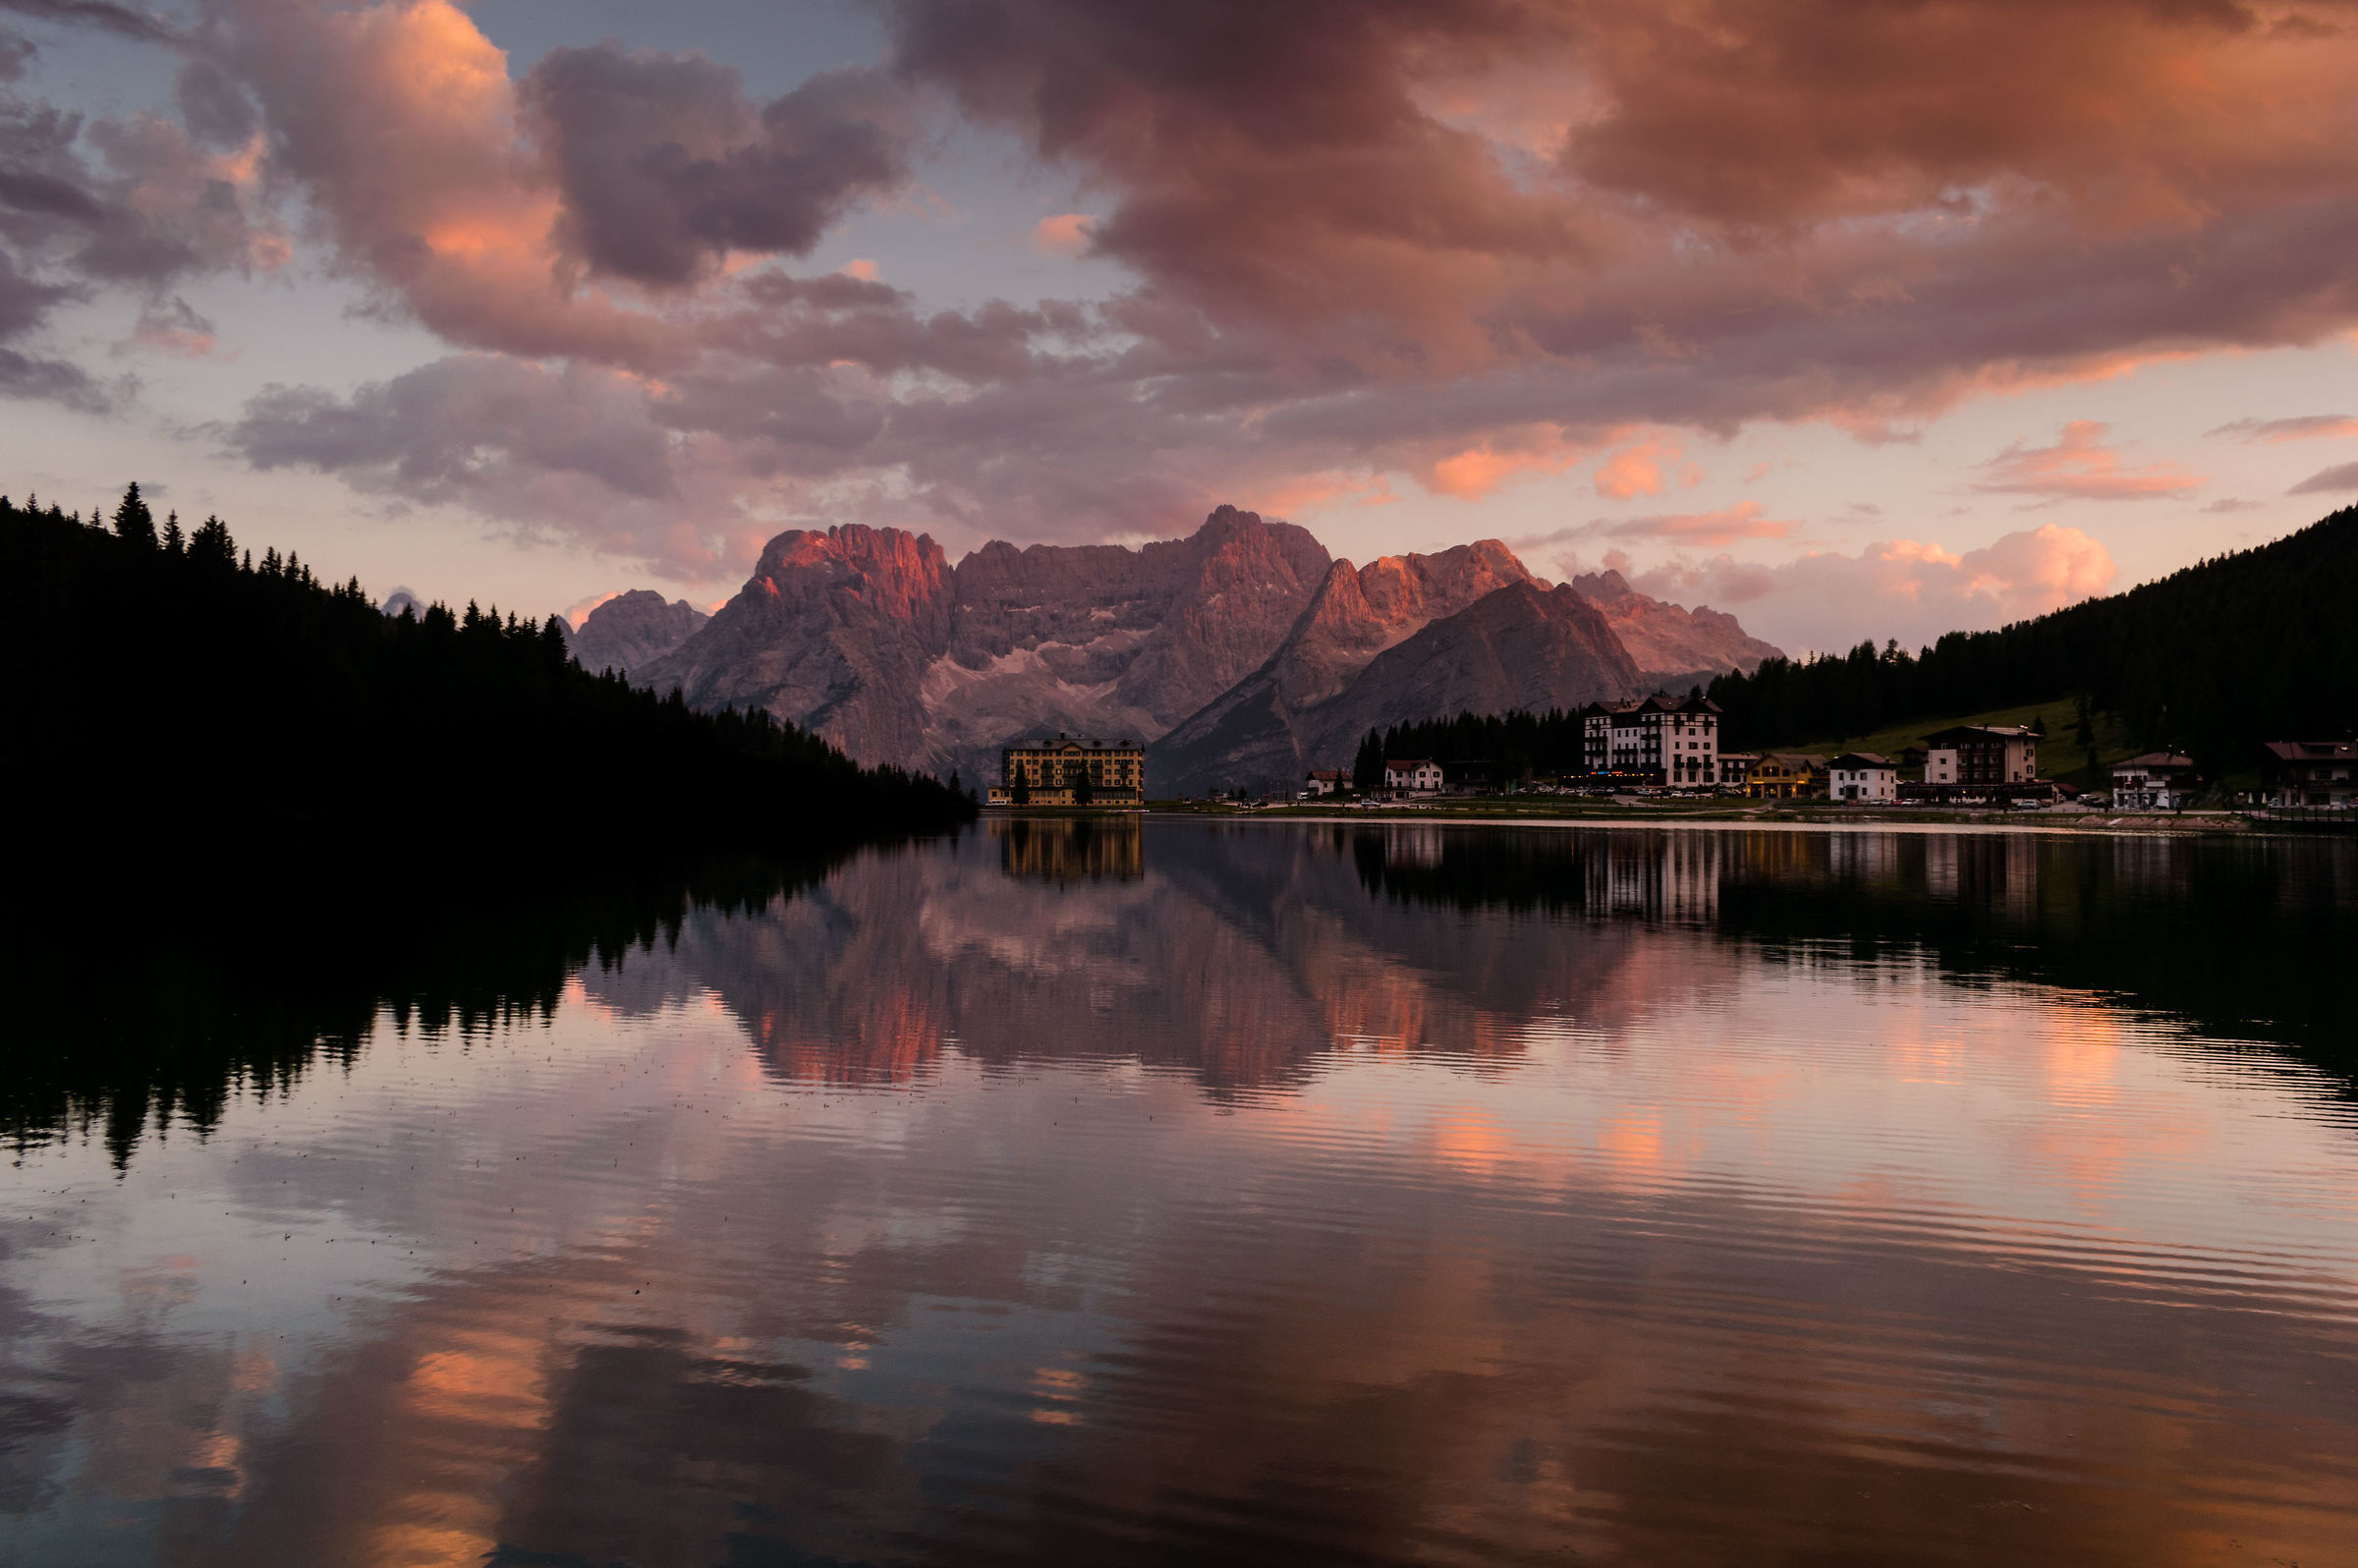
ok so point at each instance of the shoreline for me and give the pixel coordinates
(2204, 825)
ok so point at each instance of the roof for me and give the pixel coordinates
(1739, 757)
(2314, 751)
(1857, 760)
(1329, 772)
(1793, 758)
(1993, 732)
(1068, 742)
(1407, 765)
(2151, 760)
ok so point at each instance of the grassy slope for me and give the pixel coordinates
(2060, 755)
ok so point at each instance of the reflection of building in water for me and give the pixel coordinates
(1864, 857)
(1418, 847)
(1675, 877)
(1071, 849)
(1997, 871)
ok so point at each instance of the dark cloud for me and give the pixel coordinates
(14, 51)
(212, 106)
(2329, 481)
(1366, 237)
(460, 428)
(98, 15)
(664, 167)
(1393, 184)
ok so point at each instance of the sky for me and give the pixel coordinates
(1859, 319)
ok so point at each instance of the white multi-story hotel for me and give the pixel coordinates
(1659, 739)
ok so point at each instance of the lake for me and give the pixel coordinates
(1175, 1191)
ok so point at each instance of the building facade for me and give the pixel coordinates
(2158, 781)
(1658, 740)
(1412, 776)
(2310, 775)
(1786, 776)
(1969, 756)
(1863, 776)
(1071, 771)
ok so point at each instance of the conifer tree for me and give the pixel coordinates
(133, 523)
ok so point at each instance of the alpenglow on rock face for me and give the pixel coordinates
(1675, 647)
(1521, 645)
(833, 631)
(1264, 730)
(1241, 654)
(631, 629)
(870, 637)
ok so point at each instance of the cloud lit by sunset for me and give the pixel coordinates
(1315, 251)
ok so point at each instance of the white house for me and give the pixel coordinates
(1322, 781)
(2158, 781)
(1414, 775)
(1862, 776)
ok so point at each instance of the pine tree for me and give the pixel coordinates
(173, 543)
(133, 523)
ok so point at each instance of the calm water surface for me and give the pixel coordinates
(1240, 1193)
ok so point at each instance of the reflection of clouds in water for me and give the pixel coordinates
(1635, 1232)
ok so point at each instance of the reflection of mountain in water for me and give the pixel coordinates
(1242, 953)
(1238, 953)
(1245, 953)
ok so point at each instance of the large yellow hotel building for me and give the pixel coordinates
(1069, 771)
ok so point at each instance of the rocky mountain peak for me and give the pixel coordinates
(633, 629)
(1673, 645)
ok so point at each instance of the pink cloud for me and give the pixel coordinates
(578, 611)
(2079, 467)
(1906, 588)
(1742, 520)
(1646, 469)
(1351, 254)
(1065, 234)
(1478, 470)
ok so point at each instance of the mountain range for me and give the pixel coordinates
(1242, 655)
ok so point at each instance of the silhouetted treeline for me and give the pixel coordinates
(166, 694)
(128, 1011)
(2209, 660)
(1511, 744)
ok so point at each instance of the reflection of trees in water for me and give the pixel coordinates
(119, 1024)
(1071, 849)
(2241, 938)
(1251, 951)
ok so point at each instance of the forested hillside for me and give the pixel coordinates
(2209, 660)
(167, 695)
(1516, 745)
